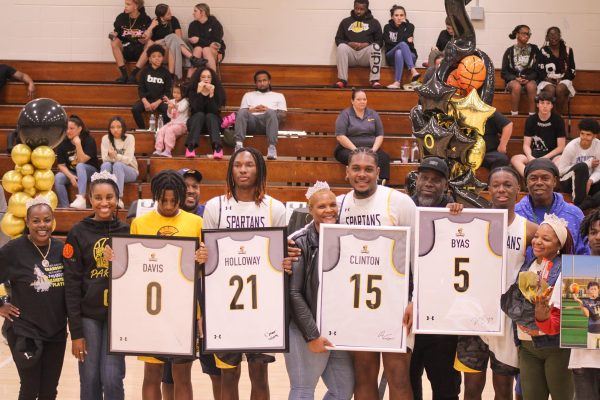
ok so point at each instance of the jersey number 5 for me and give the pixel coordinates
(461, 272)
(239, 281)
(371, 288)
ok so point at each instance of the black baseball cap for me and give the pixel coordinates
(435, 164)
(194, 173)
(541, 163)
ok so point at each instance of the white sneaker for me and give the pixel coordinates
(272, 152)
(238, 145)
(120, 204)
(79, 202)
(395, 85)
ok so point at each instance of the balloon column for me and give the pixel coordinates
(454, 105)
(42, 125)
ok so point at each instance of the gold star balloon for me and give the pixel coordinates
(471, 112)
(433, 139)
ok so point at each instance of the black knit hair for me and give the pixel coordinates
(160, 11)
(562, 45)
(590, 125)
(79, 122)
(261, 174)
(219, 90)
(97, 182)
(154, 49)
(364, 150)
(38, 205)
(396, 7)
(365, 2)
(513, 34)
(588, 222)
(111, 138)
(355, 91)
(168, 179)
(507, 169)
(593, 283)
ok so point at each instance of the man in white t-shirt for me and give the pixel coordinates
(261, 111)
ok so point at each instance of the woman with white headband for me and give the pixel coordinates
(35, 322)
(308, 358)
(543, 364)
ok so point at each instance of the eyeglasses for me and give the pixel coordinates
(525, 33)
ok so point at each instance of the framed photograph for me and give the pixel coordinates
(152, 296)
(245, 291)
(363, 290)
(579, 302)
(460, 271)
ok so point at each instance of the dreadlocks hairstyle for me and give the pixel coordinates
(111, 138)
(588, 222)
(506, 169)
(261, 175)
(168, 179)
(363, 150)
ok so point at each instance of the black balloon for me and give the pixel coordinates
(433, 139)
(417, 118)
(411, 183)
(468, 181)
(434, 95)
(460, 145)
(42, 122)
(486, 91)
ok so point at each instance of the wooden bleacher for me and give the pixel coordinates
(86, 89)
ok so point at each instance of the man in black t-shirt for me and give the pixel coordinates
(9, 73)
(498, 130)
(544, 135)
(127, 39)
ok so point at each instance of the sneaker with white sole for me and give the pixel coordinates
(79, 202)
(272, 152)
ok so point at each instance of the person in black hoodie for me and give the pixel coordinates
(206, 36)
(400, 50)
(359, 40)
(155, 83)
(519, 68)
(86, 287)
(35, 322)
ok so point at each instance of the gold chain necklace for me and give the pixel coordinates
(45, 262)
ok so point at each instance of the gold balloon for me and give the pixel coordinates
(44, 179)
(18, 168)
(43, 157)
(471, 112)
(12, 226)
(31, 191)
(21, 154)
(27, 169)
(28, 182)
(51, 196)
(16, 204)
(11, 181)
(476, 153)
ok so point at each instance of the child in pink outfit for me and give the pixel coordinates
(178, 111)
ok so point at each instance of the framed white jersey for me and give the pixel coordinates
(152, 296)
(460, 271)
(363, 290)
(244, 293)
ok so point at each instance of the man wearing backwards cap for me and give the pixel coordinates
(192, 178)
(541, 176)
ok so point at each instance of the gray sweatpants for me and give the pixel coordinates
(369, 56)
(267, 123)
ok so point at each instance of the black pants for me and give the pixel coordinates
(342, 154)
(575, 181)
(493, 159)
(435, 354)
(41, 380)
(203, 121)
(138, 113)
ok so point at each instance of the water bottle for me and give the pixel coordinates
(414, 153)
(152, 123)
(160, 123)
(404, 153)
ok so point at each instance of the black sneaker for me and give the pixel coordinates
(198, 62)
(131, 79)
(121, 79)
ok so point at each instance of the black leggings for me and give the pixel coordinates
(41, 380)
(576, 181)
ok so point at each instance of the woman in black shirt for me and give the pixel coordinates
(36, 317)
(206, 36)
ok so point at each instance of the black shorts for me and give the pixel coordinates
(472, 355)
(132, 51)
(232, 360)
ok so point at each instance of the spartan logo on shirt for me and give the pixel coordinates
(538, 143)
(358, 27)
(365, 249)
(167, 231)
(460, 232)
(242, 250)
(155, 79)
(513, 242)
(152, 257)
(101, 270)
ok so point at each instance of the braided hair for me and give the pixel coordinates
(507, 169)
(261, 175)
(363, 150)
(168, 179)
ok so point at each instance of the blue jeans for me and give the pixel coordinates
(305, 367)
(101, 372)
(83, 172)
(124, 173)
(400, 56)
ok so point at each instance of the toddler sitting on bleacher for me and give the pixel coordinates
(178, 111)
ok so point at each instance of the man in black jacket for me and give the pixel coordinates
(359, 40)
(434, 353)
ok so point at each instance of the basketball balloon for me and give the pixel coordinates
(454, 81)
(471, 73)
